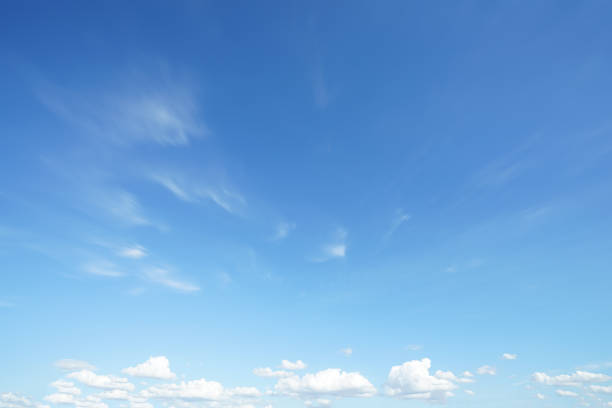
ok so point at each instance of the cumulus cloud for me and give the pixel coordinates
(565, 393)
(92, 379)
(508, 356)
(540, 396)
(412, 380)
(288, 365)
(486, 370)
(114, 395)
(330, 382)
(154, 367)
(605, 389)
(69, 399)
(69, 364)
(66, 387)
(570, 380)
(12, 400)
(201, 389)
(268, 372)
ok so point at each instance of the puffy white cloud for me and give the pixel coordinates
(195, 389)
(605, 389)
(66, 387)
(318, 403)
(467, 374)
(288, 365)
(508, 356)
(154, 367)
(486, 370)
(540, 396)
(92, 379)
(12, 400)
(201, 389)
(134, 252)
(114, 395)
(412, 380)
(268, 372)
(330, 382)
(69, 399)
(565, 393)
(570, 380)
(69, 364)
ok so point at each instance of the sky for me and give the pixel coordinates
(271, 204)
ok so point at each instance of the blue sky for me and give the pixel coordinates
(305, 204)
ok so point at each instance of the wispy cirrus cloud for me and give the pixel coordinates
(399, 218)
(336, 248)
(102, 268)
(164, 277)
(196, 192)
(142, 108)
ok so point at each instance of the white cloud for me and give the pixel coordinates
(149, 109)
(92, 379)
(565, 393)
(412, 380)
(330, 382)
(605, 389)
(70, 364)
(199, 390)
(486, 370)
(508, 356)
(69, 399)
(470, 392)
(102, 268)
(571, 380)
(12, 400)
(399, 218)
(318, 403)
(540, 396)
(283, 229)
(66, 387)
(347, 351)
(195, 192)
(288, 365)
(120, 204)
(335, 249)
(467, 374)
(134, 252)
(114, 395)
(154, 367)
(162, 277)
(268, 372)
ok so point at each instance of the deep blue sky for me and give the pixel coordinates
(391, 193)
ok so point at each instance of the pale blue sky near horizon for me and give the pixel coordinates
(393, 193)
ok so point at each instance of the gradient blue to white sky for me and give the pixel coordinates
(305, 204)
